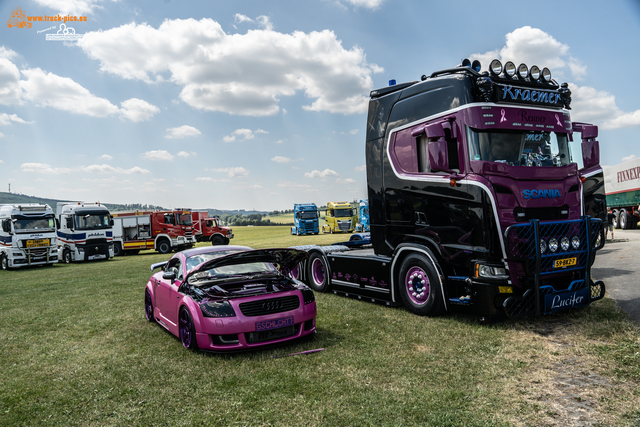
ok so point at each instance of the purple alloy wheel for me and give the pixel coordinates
(417, 285)
(317, 271)
(185, 328)
(148, 306)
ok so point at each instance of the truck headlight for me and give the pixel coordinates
(553, 244)
(564, 243)
(575, 242)
(491, 272)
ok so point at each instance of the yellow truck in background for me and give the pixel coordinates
(340, 217)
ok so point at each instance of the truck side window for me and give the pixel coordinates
(168, 219)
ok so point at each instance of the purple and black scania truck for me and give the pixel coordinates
(484, 198)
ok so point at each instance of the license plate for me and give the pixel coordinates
(562, 301)
(92, 257)
(566, 262)
(266, 325)
(37, 243)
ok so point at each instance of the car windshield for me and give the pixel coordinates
(519, 148)
(308, 214)
(241, 269)
(195, 260)
(92, 221)
(184, 219)
(28, 225)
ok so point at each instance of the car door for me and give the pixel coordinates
(167, 293)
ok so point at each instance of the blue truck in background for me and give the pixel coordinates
(305, 219)
(363, 217)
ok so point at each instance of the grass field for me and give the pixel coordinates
(76, 350)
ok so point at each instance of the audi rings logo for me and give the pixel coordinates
(271, 305)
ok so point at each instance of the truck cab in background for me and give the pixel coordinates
(207, 229)
(363, 224)
(27, 235)
(477, 201)
(85, 231)
(340, 217)
(305, 219)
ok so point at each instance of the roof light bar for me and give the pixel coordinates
(534, 73)
(523, 71)
(546, 74)
(510, 69)
(495, 67)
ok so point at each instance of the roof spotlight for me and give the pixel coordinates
(523, 71)
(495, 67)
(510, 69)
(546, 74)
(466, 63)
(476, 65)
(534, 73)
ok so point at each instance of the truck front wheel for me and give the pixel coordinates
(164, 247)
(419, 286)
(4, 262)
(624, 219)
(66, 256)
(217, 240)
(117, 249)
(318, 273)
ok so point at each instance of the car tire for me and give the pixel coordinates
(4, 262)
(164, 247)
(217, 240)
(187, 330)
(318, 273)
(419, 286)
(66, 256)
(148, 306)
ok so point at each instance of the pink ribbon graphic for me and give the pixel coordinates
(503, 118)
(558, 120)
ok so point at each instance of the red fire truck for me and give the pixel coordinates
(207, 229)
(160, 230)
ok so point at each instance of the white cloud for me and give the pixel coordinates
(345, 181)
(111, 169)
(293, 185)
(629, 157)
(72, 7)
(324, 174)
(157, 155)
(182, 132)
(217, 71)
(7, 53)
(280, 159)
(533, 46)
(360, 168)
(186, 154)
(240, 18)
(6, 119)
(137, 110)
(50, 170)
(233, 172)
(242, 134)
(204, 179)
(368, 4)
(10, 91)
(106, 157)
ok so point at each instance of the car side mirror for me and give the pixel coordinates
(169, 275)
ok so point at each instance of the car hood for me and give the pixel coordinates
(283, 259)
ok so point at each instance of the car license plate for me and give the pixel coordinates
(566, 262)
(37, 243)
(266, 325)
(271, 334)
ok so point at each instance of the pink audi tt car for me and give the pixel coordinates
(231, 298)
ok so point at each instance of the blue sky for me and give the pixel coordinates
(262, 104)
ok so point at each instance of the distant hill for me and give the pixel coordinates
(7, 198)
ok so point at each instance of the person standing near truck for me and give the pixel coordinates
(610, 217)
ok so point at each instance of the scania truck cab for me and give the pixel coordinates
(477, 202)
(305, 219)
(340, 217)
(363, 224)
(85, 231)
(27, 235)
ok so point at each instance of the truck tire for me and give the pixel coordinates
(318, 273)
(164, 247)
(66, 256)
(419, 286)
(4, 262)
(117, 250)
(624, 219)
(217, 240)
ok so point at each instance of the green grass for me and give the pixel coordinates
(76, 350)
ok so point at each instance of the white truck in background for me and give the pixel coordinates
(85, 231)
(27, 235)
(622, 187)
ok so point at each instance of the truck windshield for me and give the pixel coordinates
(28, 225)
(184, 219)
(342, 212)
(92, 221)
(519, 148)
(308, 214)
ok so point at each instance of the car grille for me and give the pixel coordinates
(269, 306)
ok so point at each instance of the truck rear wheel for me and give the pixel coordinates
(624, 220)
(616, 219)
(164, 247)
(419, 286)
(318, 273)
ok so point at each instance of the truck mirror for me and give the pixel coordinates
(589, 131)
(590, 152)
(111, 221)
(69, 223)
(57, 224)
(6, 226)
(438, 155)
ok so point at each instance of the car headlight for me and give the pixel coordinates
(553, 244)
(217, 309)
(564, 243)
(575, 242)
